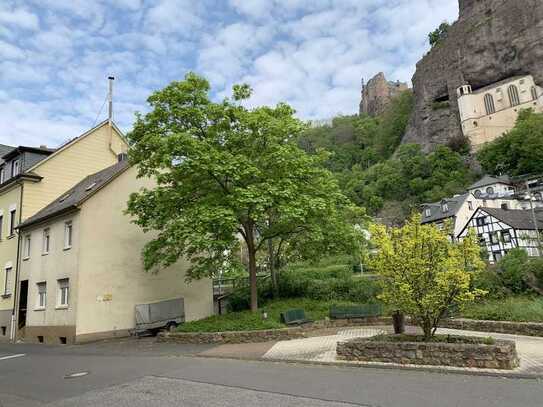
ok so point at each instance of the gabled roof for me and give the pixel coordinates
(490, 180)
(453, 205)
(516, 218)
(76, 139)
(75, 196)
(4, 149)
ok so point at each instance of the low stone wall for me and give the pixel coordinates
(234, 336)
(501, 355)
(506, 327)
(267, 335)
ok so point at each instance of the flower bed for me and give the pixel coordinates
(444, 351)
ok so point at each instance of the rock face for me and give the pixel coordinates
(492, 40)
(377, 94)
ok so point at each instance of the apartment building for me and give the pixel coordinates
(33, 177)
(81, 272)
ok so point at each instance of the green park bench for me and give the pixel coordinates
(355, 311)
(294, 317)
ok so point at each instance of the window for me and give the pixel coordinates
(506, 236)
(7, 281)
(63, 292)
(444, 207)
(482, 239)
(490, 191)
(494, 238)
(15, 168)
(27, 247)
(68, 228)
(477, 193)
(534, 93)
(2, 175)
(470, 205)
(427, 212)
(490, 107)
(497, 256)
(1, 227)
(513, 95)
(46, 241)
(12, 220)
(481, 221)
(504, 206)
(42, 295)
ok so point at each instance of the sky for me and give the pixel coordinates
(55, 55)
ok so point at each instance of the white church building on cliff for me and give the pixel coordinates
(489, 112)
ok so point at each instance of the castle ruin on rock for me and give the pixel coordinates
(378, 93)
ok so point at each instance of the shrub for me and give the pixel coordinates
(511, 271)
(522, 309)
(490, 281)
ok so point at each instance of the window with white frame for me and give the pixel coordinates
(63, 292)
(427, 212)
(46, 241)
(7, 280)
(494, 238)
(15, 168)
(506, 236)
(12, 220)
(26, 247)
(68, 234)
(2, 175)
(42, 295)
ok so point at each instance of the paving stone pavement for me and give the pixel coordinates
(323, 349)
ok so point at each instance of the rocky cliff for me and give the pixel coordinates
(491, 41)
(378, 93)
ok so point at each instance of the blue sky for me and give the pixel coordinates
(55, 55)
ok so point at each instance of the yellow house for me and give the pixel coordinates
(81, 271)
(31, 178)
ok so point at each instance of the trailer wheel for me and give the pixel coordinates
(171, 327)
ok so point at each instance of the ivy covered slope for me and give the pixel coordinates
(378, 173)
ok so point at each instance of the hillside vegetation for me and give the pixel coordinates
(380, 174)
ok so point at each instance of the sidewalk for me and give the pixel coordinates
(322, 350)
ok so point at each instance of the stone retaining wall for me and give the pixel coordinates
(506, 327)
(501, 355)
(269, 334)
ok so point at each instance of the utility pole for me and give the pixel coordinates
(110, 110)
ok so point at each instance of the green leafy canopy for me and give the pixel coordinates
(223, 173)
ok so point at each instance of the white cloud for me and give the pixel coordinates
(55, 55)
(19, 17)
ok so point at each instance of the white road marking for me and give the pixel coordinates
(12, 356)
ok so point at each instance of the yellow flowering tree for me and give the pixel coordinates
(423, 273)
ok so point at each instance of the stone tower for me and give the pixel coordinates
(377, 94)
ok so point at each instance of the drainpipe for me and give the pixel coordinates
(534, 217)
(14, 319)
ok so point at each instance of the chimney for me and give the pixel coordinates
(43, 146)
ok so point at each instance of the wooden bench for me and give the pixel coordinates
(294, 317)
(355, 311)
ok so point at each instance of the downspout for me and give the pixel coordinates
(14, 319)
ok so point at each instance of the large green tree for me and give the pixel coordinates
(225, 173)
(519, 151)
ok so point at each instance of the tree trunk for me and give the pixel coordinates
(427, 329)
(251, 250)
(273, 272)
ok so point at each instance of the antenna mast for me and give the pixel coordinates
(110, 110)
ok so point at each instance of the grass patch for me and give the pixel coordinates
(518, 309)
(436, 339)
(248, 321)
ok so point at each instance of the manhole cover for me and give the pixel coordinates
(76, 375)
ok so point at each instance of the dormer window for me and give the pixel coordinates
(2, 175)
(490, 191)
(444, 207)
(427, 212)
(15, 168)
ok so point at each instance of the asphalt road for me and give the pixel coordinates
(142, 373)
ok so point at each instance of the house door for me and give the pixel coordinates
(23, 301)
